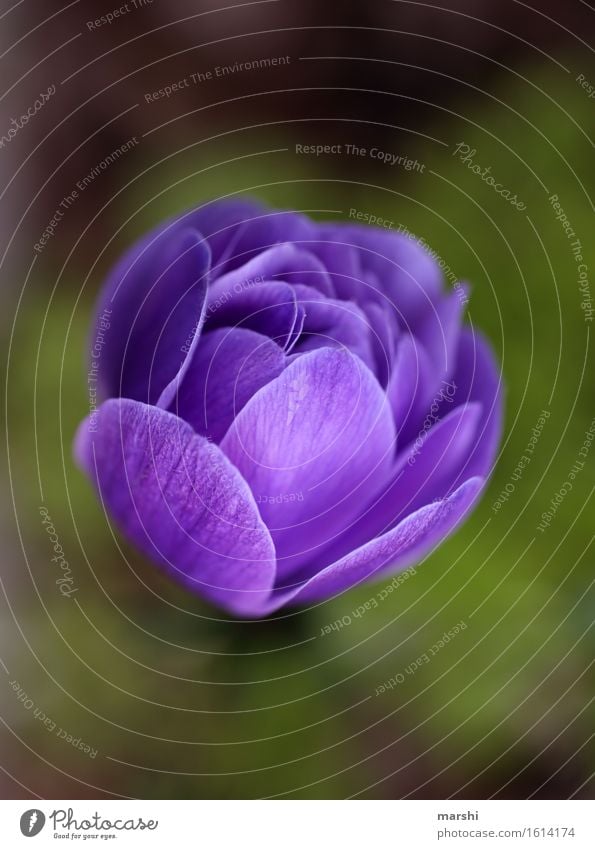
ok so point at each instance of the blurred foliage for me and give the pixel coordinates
(205, 707)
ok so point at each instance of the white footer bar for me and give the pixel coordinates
(300, 824)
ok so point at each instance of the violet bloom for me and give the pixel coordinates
(288, 407)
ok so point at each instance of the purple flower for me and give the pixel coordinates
(286, 408)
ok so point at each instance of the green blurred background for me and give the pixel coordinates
(176, 699)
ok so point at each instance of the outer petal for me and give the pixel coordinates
(228, 367)
(410, 387)
(436, 462)
(439, 333)
(221, 222)
(411, 540)
(430, 469)
(179, 499)
(393, 265)
(385, 333)
(315, 445)
(424, 364)
(249, 229)
(238, 229)
(154, 300)
(477, 378)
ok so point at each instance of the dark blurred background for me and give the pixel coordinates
(169, 697)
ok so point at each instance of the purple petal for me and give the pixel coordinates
(154, 303)
(439, 334)
(178, 498)
(342, 262)
(259, 229)
(314, 445)
(477, 378)
(410, 387)
(411, 540)
(228, 367)
(329, 322)
(430, 469)
(268, 308)
(394, 265)
(284, 262)
(385, 332)
(435, 464)
(239, 229)
(221, 223)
